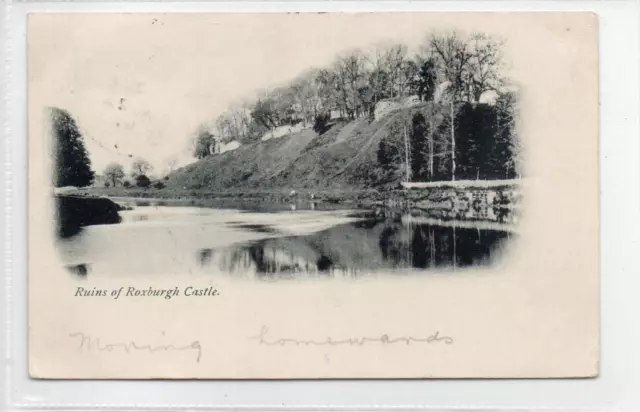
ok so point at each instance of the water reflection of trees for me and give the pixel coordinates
(364, 246)
(470, 211)
(430, 246)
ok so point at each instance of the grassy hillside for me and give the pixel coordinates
(344, 157)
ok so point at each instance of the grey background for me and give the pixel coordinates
(615, 389)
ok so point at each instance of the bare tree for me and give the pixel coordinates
(240, 120)
(326, 83)
(353, 87)
(350, 72)
(114, 173)
(452, 53)
(484, 68)
(224, 126)
(171, 162)
(306, 98)
(395, 58)
(379, 80)
(140, 167)
(283, 99)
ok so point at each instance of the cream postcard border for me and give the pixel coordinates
(534, 315)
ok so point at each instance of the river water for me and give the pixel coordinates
(268, 241)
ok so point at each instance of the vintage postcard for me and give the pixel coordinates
(313, 195)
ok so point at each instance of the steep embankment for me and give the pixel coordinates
(344, 157)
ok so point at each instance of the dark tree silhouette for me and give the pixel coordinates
(419, 147)
(72, 166)
(142, 181)
(427, 80)
(484, 148)
(321, 123)
(264, 113)
(390, 155)
(386, 154)
(203, 144)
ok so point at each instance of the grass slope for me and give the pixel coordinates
(344, 157)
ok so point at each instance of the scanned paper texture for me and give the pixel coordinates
(335, 195)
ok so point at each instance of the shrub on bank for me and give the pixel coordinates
(321, 124)
(142, 181)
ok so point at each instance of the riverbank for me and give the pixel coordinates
(454, 197)
(76, 211)
(348, 198)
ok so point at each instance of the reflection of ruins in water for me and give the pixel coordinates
(366, 246)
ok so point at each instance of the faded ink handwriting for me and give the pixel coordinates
(355, 341)
(88, 343)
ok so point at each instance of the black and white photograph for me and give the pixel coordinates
(385, 156)
(323, 181)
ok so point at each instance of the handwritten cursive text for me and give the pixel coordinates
(88, 343)
(355, 341)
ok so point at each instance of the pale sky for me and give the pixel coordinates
(177, 71)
